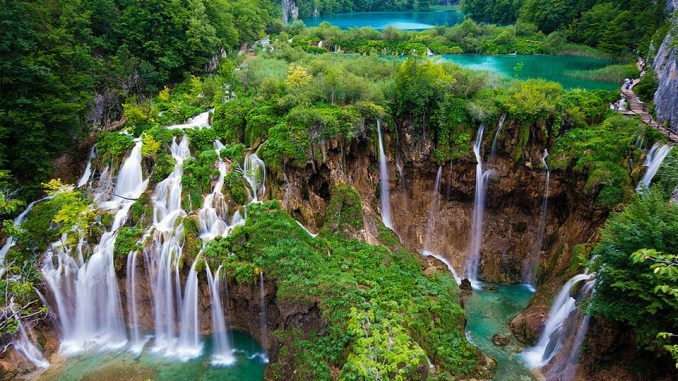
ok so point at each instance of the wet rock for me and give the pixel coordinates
(528, 325)
(501, 340)
(491, 288)
(465, 285)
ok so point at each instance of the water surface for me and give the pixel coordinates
(489, 313)
(118, 366)
(398, 20)
(552, 68)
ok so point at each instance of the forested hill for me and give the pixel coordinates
(68, 65)
(612, 26)
(309, 8)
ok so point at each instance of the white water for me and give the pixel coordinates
(11, 241)
(496, 135)
(653, 161)
(551, 340)
(214, 213)
(305, 229)
(132, 316)
(254, 172)
(443, 260)
(530, 267)
(86, 292)
(199, 121)
(26, 347)
(472, 262)
(222, 354)
(88, 169)
(432, 210)
(189, 345)
(383, 182)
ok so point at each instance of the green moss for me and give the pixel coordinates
(115, 145)
(352, 282)
(141, 212)
(234, 186)
(127, 241)
(162, 168)
(344, 213)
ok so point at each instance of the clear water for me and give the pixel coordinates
(552, 68)
(489, 313)
(115, 366)
(381, 20)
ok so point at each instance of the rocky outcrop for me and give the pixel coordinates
(664, 66)
(290, 11)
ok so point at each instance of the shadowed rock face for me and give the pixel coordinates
(664, 65)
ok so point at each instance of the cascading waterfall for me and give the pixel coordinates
(189, 345)
(471, 269)
(565, 368)
(383, 182)
(25, 346)
(11, 241)
(532, 262)
(88, 169)
(86, 292)
(653, 161)
(551, 339)
(83, 279)
(254, 172)
(446, 262)
(222, 354)
(133, 319)
(496, 135)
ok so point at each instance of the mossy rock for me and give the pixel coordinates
(141, 212)
(344, 214)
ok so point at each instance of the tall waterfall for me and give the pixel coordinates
(532, 262)
(496, 135)
(432, 210)
(472, 262)
(552, 338)
(88, 169)
(653, 161)
(189, 345)
(83, 281)
(11, 241)
(222, 354)
(86, 292)
(383, 182)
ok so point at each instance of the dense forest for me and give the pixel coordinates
(609, 25)
(68, 66)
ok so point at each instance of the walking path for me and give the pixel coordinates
(635, 107)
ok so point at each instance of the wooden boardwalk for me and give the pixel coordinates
(635, 107)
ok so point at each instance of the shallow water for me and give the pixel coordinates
(552, 68)
(381, 20)
(489, 313)
(117, 366)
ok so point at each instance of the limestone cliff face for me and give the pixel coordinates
(290, 11)
(513, 208)
(664, 66)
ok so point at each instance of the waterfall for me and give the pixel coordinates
(551, 339)
(201, 120)
(189, 345)
(383, 182)
(25, 346)
(222, 353)
(532, 262)
(11, 241)
(88, 169)
(565, 368)
(254, 172)
(496, 135)
(432, 210)
(653, 161)
(132, 315)
(443, 260)
(86, 292)
(471, 269)
(262, 312)
(214, 212)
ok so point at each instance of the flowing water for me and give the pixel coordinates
(383, 182)
(106, 366)
(493, 152)
(532, 262)
(653, 161)
(472, 263)
(382, 20)
(223, 353)
(489, 313)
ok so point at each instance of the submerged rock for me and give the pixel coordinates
(501, 340)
